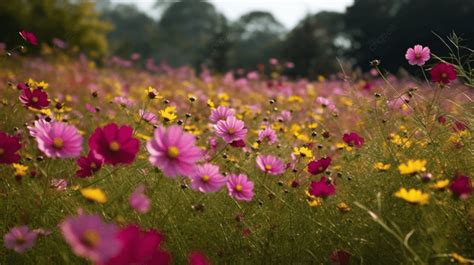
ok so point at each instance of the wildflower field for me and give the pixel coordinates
(125, 165)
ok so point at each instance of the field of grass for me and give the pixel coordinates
(362, 220)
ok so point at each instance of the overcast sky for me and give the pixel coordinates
(288, 12)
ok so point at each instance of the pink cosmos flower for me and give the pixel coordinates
(269, 135)
(148, 116)
(29, 37)
(173, 151)
(418, 55)
(37, 98)
(340, 257)
(59, 184)
(270, 164)
(9, 146)
(443, 73)
(139, 201)
(319, 166)
(207, 178)
(20, 239)
(353, 139)
(57, 139)
(88, 165)
(326, 103)
(197, 258)
(461, 187)
(140, 247)
(322, 188)
(240, 187)
(231, 129)
(123, 101)
(91, 238)
(220, 113)
(115, 145)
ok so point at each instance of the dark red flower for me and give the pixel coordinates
(21, 86)
(88, 165)
(459, 126)
(37, 98)
(114, 145)
(340, 257)
(140, 247)
(443, 73)
(319, 166)
(238, 144)
(442, 119)
(322, 188)
(353, 139)
(197, 258)
(461, 187)
(9, 145)
(29, 37)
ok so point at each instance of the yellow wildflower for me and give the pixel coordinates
(211, 104)
(343, 207)
(381, 166)
(313, 201)
(168, 114)
(413, 196)
(412, 166)
(440, 184)
(460, 259)
(152, 93)
(20, 170)
(94, 194)
(303, 151)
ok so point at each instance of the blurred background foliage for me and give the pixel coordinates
(195, 33)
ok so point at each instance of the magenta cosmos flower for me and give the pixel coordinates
(319, 166)
(91, 238)
(139, 201)
(197, 258)
(418, 55)
(221, 113)
(443, 73)
(9, 146)
(268, 135)
(270, 164)
(20, 238)
(461, 187)
(173, 151)
(88, 165)
(240, 187)
(37, 98)
(340, 257)
(207, 178)
(231, 129)
(115, 145)
(57, 139)
(322, 188)
(29, 37)
(353, 139)
(140, 247)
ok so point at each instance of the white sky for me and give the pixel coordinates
(288, 12)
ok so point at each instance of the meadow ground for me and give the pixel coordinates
(342, 150)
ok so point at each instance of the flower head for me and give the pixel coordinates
(9, 146)
(221, 113)
(461, 187)
(231, 129)
(340, 257)
(36, 98)
(353, 139)
(418, 55)
(173, 151)
(115, 145)
(29, 37)
(322, 188)
(91, 238)
(380, 166)
(20, 238)
(148, 116)
(443, 73)
(319, 166)
(207, 178)
(270, 164)
(268, 134)
(240, 187)
(94, 194)
(139, 201)
(57, 139)
(88, 165)
(413, 196)
(412, 166)
(140, 247)
(197, 258)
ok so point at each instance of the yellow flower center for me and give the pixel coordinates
(231, 131)
(205, 178)
(58, 143)
(114, 146)
(238, 188)
(173, 152)
(444, 75)
(93, 165)
(417, 56)
(90, 238)
(20, 240)
(34, 99)
(2, 151)
(268, 167)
